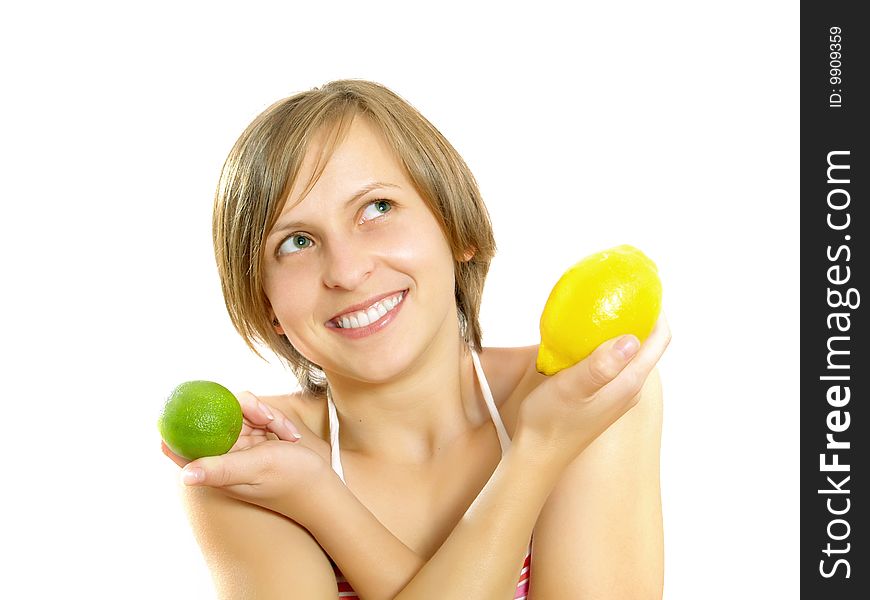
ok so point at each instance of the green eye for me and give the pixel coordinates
(376, 209)
(294, 243)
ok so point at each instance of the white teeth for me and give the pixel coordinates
(372, 314)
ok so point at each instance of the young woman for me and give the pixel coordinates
(351, 239)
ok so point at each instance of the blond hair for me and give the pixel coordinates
(261, 170)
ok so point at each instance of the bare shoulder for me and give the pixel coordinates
(297, 404)
(505, 367)
(309, 414)
(650, 399)
(610, 498)
(255, 553)
(511, 374)
(638, 431)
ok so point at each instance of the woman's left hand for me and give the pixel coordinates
(274, 471)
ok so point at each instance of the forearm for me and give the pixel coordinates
(375, 562)
(481, 558)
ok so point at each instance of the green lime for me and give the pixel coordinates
(200, 418)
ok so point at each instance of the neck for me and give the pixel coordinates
(416, 415)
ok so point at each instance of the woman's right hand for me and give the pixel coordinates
(258, 421)
(565, 413)
(269, 465)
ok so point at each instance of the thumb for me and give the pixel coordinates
(220, 471)
(587, 377)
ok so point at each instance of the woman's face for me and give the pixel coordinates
(359, 274)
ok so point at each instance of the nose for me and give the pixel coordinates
(346, 264)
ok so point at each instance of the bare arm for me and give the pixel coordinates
(610, 498)
(255, 554)
(491, 538)
(482, 556)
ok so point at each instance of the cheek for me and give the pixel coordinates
(433, 258)
(288, 295)
(294, 305)
(422, 248)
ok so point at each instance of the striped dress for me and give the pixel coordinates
(344, 588)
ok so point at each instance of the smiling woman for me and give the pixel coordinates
(269, 172)
(351, 239)
(354, 255)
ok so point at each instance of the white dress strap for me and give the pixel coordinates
(335, 452)
(503, 437)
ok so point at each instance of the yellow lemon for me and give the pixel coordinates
(605, 295)
(200, 418)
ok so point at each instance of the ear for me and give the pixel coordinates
(469, 254)
(276, 325)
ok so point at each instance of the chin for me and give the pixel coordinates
(380, 367)
(383, 367)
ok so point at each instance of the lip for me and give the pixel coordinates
(362, 305)
(360, 332)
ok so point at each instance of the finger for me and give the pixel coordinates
(264, 417)
(283, 427)
(255, 412)
(279, 429)
(628, 383)
(178, 460)
(233, 468)
(249, 441)
(587, 377)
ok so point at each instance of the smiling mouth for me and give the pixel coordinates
(364, 318)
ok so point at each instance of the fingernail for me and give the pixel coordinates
(265, 410)
(289, 425)
(192, 476)
(627, 346)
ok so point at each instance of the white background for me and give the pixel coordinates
(671, 126)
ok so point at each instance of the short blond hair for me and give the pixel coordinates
(261, 170)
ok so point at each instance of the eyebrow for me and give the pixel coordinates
(372, 185)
